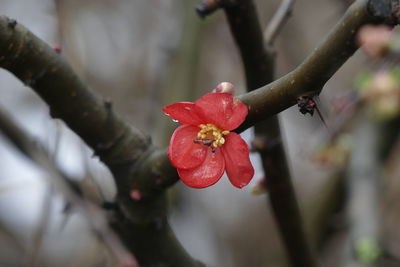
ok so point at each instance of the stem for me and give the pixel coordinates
(120, 146)
(246, 29)
(277, 22)
(307, 79)
(310, 77)
(125, 150)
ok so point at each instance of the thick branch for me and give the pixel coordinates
(121, 147)
(246, 29)
(306, 79)
(310, 77)
(93, 119)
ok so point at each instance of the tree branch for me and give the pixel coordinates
(120, 146)
(310, 76)
(278, 20)
(124, 149)
(258, 63)
(95, 217)
(246, 29)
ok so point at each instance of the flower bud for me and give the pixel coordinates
(57, 48)
(375, 40)
(225, 87)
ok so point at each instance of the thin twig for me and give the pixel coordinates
(207, 7)
(95, 217)
(125, 149)
(321, 117)
(308, 78)
(42, 226)
(279, 19)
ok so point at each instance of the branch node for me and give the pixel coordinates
(136, 195)
(11, 23)
(108, 104)
(102, 147)
(108, 205)
(57, 49)
(207, 7)
(30, 80)
(396, 11)
(53, 113)
(306, 105)
(386, 10)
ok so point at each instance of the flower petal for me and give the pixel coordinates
(221, 109)
(182, 151)
(208, 173)
(183, 112)
(237, 161)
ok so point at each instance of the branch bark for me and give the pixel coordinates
(278, 20)
(310, 76)
(142, 223)
(94, 216)
(259, 69)
(125, 150)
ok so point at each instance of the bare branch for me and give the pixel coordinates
(310, 77)
(258, 63)
(120, 146)
(95, 217)
(206, 7)
(39, 233)
(124, 149)
(279, 19)
(246, 29)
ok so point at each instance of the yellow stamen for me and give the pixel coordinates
(210, 132)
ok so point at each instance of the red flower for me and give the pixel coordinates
(203, 148)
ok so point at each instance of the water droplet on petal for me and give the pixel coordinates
(175, 120)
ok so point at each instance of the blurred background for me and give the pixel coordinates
(144, 55)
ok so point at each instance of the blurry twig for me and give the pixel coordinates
(44, 218)
(182, 73)
(128, 152)
(364, 190)
(61, 181)
(277, 22)
(259, 68)
(13, 242)
(207, 7)
(350, 106)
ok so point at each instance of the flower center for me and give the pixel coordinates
(210, 135)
